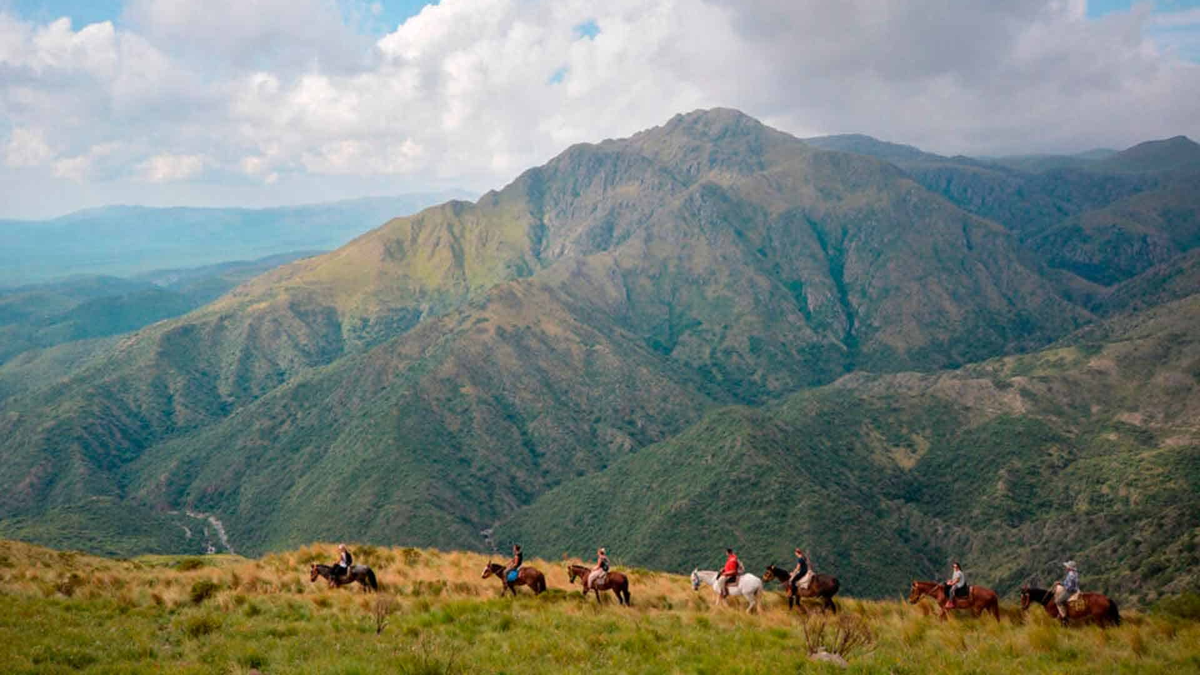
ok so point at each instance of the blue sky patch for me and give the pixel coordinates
(588, 29)
(558, 75)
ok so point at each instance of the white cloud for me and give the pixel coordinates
(168, 168)
(102, 160)
(27, 148)
(276, 92)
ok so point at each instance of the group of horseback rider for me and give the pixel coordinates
(801, 575)
(1064, 591)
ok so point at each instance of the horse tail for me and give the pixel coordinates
(833, 589)
(371, 581)
(993, 606)
(539, 584)
(1114, 615)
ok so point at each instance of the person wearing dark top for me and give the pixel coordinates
(515, 563)
(800, 570)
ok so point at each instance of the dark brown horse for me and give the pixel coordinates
(616, 582)
(978, 600)
(360, 573)
(526, 576)
(823, 586)
(1094, 606)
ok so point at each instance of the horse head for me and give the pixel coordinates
(915, 593)
(488, 571)
(769, 574)
(313, 573)
(1026, 596)
(572, 574)
(695, 579)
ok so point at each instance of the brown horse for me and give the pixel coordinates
(360, 573)
(978, 600)
(1095, 606)
(526, 576)
(823, 586)
(616, 582)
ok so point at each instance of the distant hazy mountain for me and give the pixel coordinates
(127, 240)
(710, 333)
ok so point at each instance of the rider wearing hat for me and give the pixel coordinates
(1067, 588)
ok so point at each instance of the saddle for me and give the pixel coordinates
(1076, 602)
(963, 592)
(805, 580)
(512, 575)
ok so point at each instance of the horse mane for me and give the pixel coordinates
(1038, 595)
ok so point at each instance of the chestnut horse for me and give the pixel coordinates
(616, 582)
(360, 573)
(822, 586)
(978, 600)
(1096, 607)
(526, 576)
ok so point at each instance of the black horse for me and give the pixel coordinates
(823, 586)
(360, 573)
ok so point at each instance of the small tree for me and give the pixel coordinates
(843, 635)
(381, 609)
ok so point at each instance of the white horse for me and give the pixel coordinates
(747, 585)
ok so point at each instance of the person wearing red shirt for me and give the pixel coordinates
(729, 572)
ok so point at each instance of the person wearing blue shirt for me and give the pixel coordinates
(1068, 587)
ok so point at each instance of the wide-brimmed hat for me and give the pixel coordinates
(1070, 564)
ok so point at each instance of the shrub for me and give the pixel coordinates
(190, 564)
(1184, 606)
(381, 609)
(67, 585)
(843, 635)
(203, 590)
(200, 625)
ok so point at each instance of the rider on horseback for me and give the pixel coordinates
(514, 564)
(799, 572)
(1065, 590)
(955, 582)
(729, 572)
(599, 573)
(345, 560)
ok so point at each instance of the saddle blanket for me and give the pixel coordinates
(512, 576)
(805, 580)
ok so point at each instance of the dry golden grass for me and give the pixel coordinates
(64, 612)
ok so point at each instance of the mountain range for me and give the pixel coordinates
(710, 333)
(125, 241)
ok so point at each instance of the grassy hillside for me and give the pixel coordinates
(1087, 450)
(487, 352)
(64, 612)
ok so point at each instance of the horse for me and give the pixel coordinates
(526, 576)
(360, 573)
(1097, 607)
(616, 582)
(979, 599)
(748, 586)
(823, 586)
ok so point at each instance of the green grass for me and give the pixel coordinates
(438, 616)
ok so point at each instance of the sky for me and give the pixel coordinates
(267, 102)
